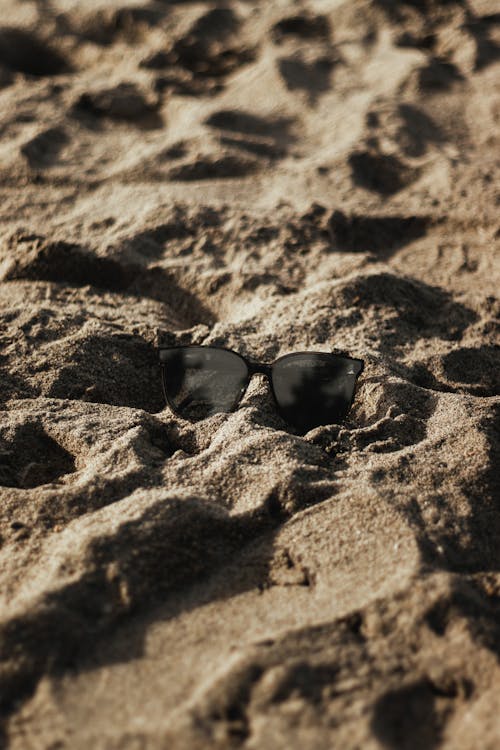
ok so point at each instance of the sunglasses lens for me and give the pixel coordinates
(314, 389)
(200, 380)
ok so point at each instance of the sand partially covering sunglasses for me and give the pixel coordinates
(271, 177)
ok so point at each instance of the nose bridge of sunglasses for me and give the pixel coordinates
(259, 368)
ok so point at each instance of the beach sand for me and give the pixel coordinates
(271, 177)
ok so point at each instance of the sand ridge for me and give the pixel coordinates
(269, 177)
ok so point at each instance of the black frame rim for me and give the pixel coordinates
(254, 368)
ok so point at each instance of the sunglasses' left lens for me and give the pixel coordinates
(201, 380)
(314, 388)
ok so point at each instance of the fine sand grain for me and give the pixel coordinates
(271, 177)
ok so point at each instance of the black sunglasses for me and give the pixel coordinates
(309, 388)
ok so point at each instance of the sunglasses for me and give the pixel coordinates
(309, 388)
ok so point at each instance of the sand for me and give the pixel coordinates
(271, 177)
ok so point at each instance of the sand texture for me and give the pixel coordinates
(272, 177)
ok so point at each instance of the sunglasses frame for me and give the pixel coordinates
(254, 368)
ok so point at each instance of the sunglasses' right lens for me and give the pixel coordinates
(201, 380)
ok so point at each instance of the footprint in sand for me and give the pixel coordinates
(208, 52)
(23, 52)
(44, 149)
(30, 458)
(311, 74)
(381, 173)
(268, 137)
(378, 234)
(124, 102)
(303, 26)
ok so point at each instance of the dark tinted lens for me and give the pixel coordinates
(200, 381)
(314, 389)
